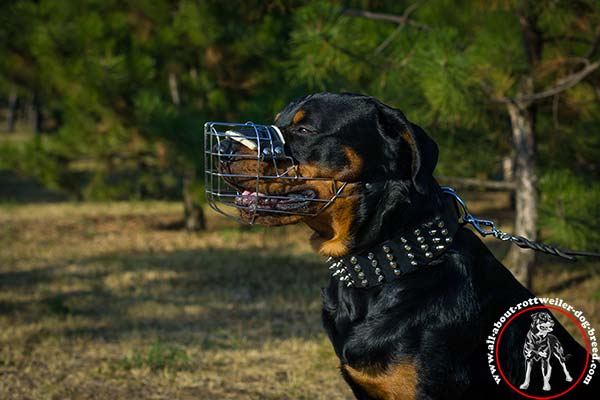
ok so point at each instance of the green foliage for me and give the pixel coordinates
(570, 210)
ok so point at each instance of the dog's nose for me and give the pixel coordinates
(224, 149)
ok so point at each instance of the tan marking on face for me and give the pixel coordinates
(298, 116)
(354, 167)
(398, 382)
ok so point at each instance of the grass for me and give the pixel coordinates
(106, 301)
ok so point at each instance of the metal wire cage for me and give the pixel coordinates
(263, 144)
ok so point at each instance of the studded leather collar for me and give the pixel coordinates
(411, 250)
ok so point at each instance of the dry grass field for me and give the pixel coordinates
(111, 301)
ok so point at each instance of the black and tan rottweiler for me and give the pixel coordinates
(413, 296)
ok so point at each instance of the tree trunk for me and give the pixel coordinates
(522, 118)
(193, 213)
(11, 116)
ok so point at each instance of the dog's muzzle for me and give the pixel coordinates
(261, 148)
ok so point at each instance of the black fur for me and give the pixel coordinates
(437, 318)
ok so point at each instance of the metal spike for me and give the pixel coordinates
(377, 271)
(349, 284)
(440, 247)
(330, 259)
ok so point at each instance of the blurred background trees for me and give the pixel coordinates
(106, 99)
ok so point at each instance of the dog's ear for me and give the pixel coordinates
(399, 131)
(535, 316)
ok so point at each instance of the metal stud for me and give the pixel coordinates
(417, 232)
(420, 239)
(441, 224)
(370, 256)
(390, 256)
(364, 282)
(361, 275)
(440, 247)
(386, 249)
(377, 271)
(407, 247)
(429, 254)
(410, 255)
(432, 232)
(393, 264)
(381, 278)
(397, 272)
(403, 240)
(444, 232)
(424, 247)
(448, 240)
(374, 263)
(414, 263)
(337, 272)
(353, 260)
(357, 268)
(435, 239)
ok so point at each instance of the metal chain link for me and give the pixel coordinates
(480, 226)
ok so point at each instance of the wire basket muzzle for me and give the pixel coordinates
(234, 191)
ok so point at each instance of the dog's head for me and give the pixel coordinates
(542, 323)
(347, 138)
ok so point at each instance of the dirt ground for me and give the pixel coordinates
(111, 301)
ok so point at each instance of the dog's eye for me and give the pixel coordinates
(304, 131)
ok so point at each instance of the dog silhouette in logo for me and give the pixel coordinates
(541, 345)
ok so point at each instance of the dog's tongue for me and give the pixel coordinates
(249, 193)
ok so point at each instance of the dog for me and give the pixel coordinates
(541, 345)
(413, 295)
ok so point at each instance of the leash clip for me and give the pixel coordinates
(479, 224)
